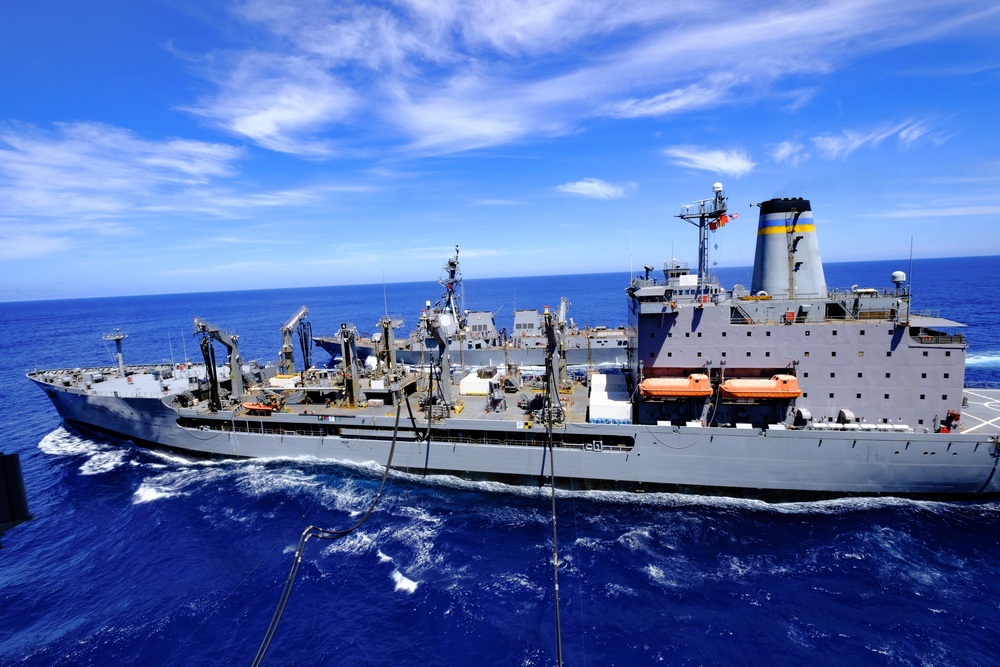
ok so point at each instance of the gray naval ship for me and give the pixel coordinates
(475, 339)
(785, 388)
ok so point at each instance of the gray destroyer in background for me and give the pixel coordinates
(476, 341)
(785, 387)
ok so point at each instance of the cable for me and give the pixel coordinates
(323, 534)
(555, 542)
(549, 415)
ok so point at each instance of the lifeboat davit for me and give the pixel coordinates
(696, 385)
(778, 386)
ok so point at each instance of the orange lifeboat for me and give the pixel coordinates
(259, 407)
(778, 386)
(696, 385)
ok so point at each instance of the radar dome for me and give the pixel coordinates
(898, 277)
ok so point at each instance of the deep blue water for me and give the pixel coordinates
(135, 557)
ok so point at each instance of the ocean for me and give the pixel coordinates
(137, 557)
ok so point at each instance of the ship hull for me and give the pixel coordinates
(772, 464)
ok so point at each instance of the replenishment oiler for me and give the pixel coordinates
(785, 389)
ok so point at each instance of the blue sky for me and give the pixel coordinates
(157, 147)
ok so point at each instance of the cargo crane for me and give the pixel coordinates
(211, 332)
(286, 358)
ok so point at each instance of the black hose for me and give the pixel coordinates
(323, 534)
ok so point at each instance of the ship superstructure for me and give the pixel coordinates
(859, 359)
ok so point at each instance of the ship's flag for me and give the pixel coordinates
(724, 218)
(721, 221)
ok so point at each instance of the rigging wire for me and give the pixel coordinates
(323, 534)
(550, 379)
(555, 541)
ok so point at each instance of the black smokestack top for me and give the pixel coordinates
(785, 205)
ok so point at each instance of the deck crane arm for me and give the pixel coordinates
(286, 363)
(231, 342)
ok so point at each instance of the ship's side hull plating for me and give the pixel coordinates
(722, 460)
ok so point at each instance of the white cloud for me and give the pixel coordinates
(732, 163)
(440, 76)
(597, 189)
(85, 169)
(788, 152)
(79, 181)
(497, 202)
(694, 96)
(945, 212)
(280, 103)
(834, 146)
(16, 245)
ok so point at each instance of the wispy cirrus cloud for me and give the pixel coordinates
(788, 152)
(80, 181)
(944, 212)
(595, 188)
(449, 76)
(842, 144)
(87, 169)
(732, 163)
(687, 98)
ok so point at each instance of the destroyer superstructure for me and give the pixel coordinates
(783, 387)
(477, 341)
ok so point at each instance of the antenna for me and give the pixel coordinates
(385, 299)
(909, 307)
